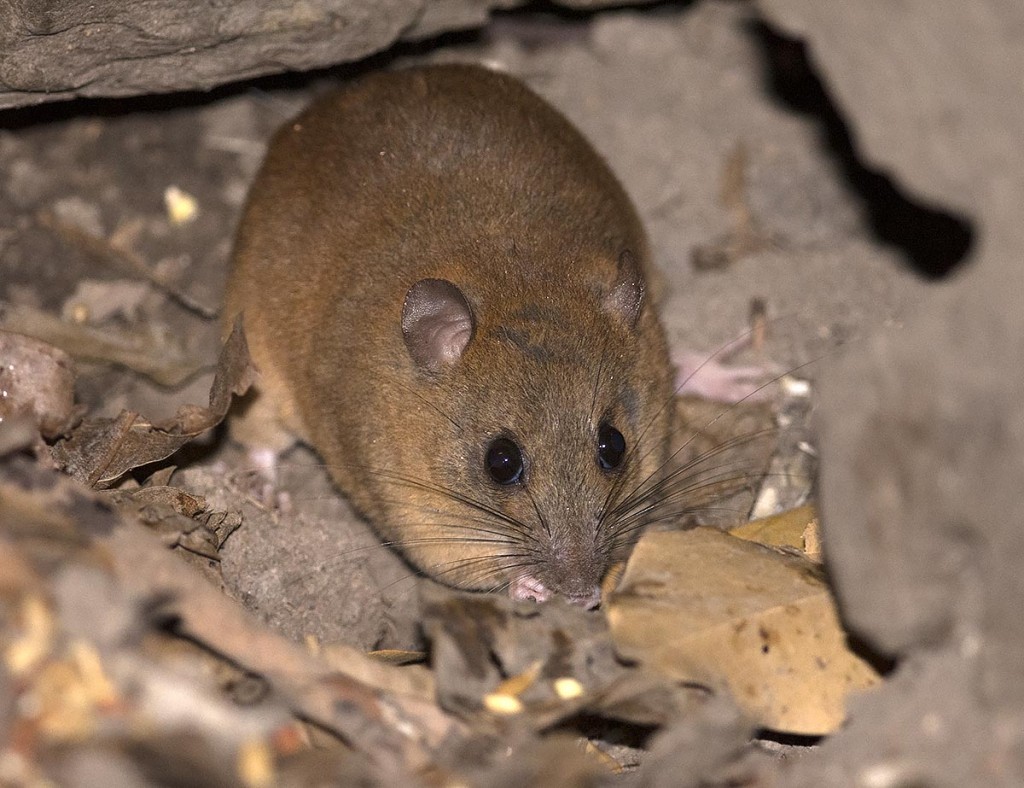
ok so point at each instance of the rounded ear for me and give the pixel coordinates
(437, 323)
(626, 296)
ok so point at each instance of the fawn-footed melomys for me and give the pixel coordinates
(443, 286)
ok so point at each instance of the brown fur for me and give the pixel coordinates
(461, 174)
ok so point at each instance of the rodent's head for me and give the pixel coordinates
(539, 424)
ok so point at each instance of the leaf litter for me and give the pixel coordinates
(101, 451)
(117, 651)
(114, 646)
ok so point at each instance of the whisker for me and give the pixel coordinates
(460, 564)
(730, 407)
(654, 482)
(685, 475)
(704, 479)
(482, 524)
(434, 570)
(634, 454)
(426, 486)
(684, 487)
(428, 540)
(536, 508)
(459, 497)
(639, 520)
(675, 392)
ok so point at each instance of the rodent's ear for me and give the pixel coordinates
(627, 293)
(437, 323)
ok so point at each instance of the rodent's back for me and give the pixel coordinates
(458, 174)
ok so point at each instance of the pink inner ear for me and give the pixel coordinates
(627, 293)
(437, 323)
(451, 336)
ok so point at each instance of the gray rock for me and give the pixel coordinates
(923, 429)
(59, 49)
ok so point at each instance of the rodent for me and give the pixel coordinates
(443, 286)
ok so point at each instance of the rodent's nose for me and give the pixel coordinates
(529, 588)
(532, 588)
(587, 600)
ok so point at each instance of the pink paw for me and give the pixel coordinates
(265, 477)
(710, 378)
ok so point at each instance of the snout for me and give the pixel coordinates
(531, 588)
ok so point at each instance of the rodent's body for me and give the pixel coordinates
(433, 259)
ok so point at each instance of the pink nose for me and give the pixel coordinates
(587, 600)
(532, 588)
(529, 588)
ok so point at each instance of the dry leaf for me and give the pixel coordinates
(704, 606)
(797, 528)
(180, 518)
(256, 764)
(398, 657)
(114, 581)
(548, 663)
(100, 451)
(519, 683)
(486, 645)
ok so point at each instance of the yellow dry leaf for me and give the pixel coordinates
(704, 606)
(406, 679)
(812, 541)
(397, 656)
(36, 640)
(602, 757)
(796, 528)
(62, 704)
(100, 689)
(256, 764)
(518, 684)
(69, 695)
(505, 698)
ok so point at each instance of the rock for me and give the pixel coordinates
(923, 429)
(60, 49)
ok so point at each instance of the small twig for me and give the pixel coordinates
(113, 252)
(160, 361)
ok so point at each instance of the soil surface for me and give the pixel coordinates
(751, 198)
(679, 102)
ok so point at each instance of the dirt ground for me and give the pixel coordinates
(738, 163)
(104, 167)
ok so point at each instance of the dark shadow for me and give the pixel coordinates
(882, 663)
(543, 24)
(934, 240)
(558, 10)
(788, 739)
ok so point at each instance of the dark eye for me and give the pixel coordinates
(611, 447)
(504, 461)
